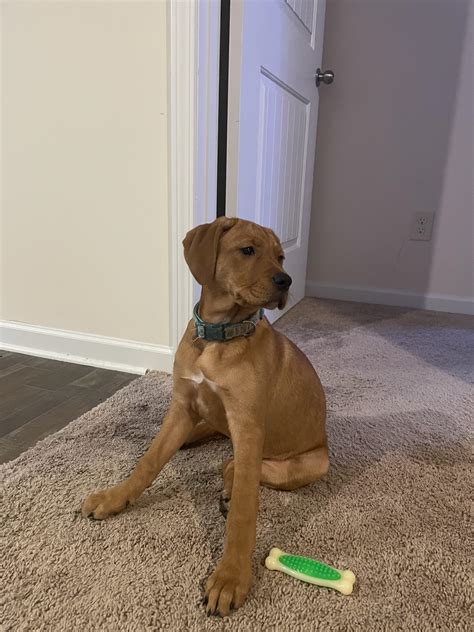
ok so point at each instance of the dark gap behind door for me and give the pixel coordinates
(223, 101)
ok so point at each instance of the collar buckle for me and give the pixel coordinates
(252, 328)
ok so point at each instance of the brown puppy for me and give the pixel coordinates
(258, 389)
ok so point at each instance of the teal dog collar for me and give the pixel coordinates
(220, 332)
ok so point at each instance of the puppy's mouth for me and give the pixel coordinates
(279, 301)
(283, 300)
(276, 300)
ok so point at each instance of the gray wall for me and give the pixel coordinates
(395, 137)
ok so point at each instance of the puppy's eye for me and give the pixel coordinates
(248, 250)
(281, 258)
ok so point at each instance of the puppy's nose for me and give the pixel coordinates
(282, 280)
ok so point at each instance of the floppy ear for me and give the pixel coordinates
(201, 245)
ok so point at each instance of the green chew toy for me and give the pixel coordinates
(311, 571)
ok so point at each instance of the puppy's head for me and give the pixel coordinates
(241, 259)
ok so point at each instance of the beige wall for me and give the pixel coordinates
(84, 163)
(395, 137)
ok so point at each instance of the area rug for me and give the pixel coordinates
(394, 507)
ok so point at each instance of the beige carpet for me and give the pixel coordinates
(394, 507)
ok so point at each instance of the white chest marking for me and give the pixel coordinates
(199, 378)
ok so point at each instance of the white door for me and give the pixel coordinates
(275, 49)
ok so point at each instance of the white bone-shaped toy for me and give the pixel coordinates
(311, 571)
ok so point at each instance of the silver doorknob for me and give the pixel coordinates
(326, 77)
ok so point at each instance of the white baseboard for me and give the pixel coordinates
(89, 349)
(436, 302)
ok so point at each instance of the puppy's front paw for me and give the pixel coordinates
(227, 587)
(105, 503)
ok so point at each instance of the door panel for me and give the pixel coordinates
(283, 124)
(304, 10)
(275, 48)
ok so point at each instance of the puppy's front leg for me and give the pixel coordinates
(230, 582)
(176, 427)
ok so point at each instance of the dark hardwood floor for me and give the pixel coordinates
(38, 397)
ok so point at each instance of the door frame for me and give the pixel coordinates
(193, 66)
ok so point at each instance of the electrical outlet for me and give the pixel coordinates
(422, 226)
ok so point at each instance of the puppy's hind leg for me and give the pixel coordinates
(286, 474)
(177, 425)
(297, 471)
(200, 433)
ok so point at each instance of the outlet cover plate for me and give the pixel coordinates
(422, 226)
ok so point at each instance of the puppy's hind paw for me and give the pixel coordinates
(224, 504)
